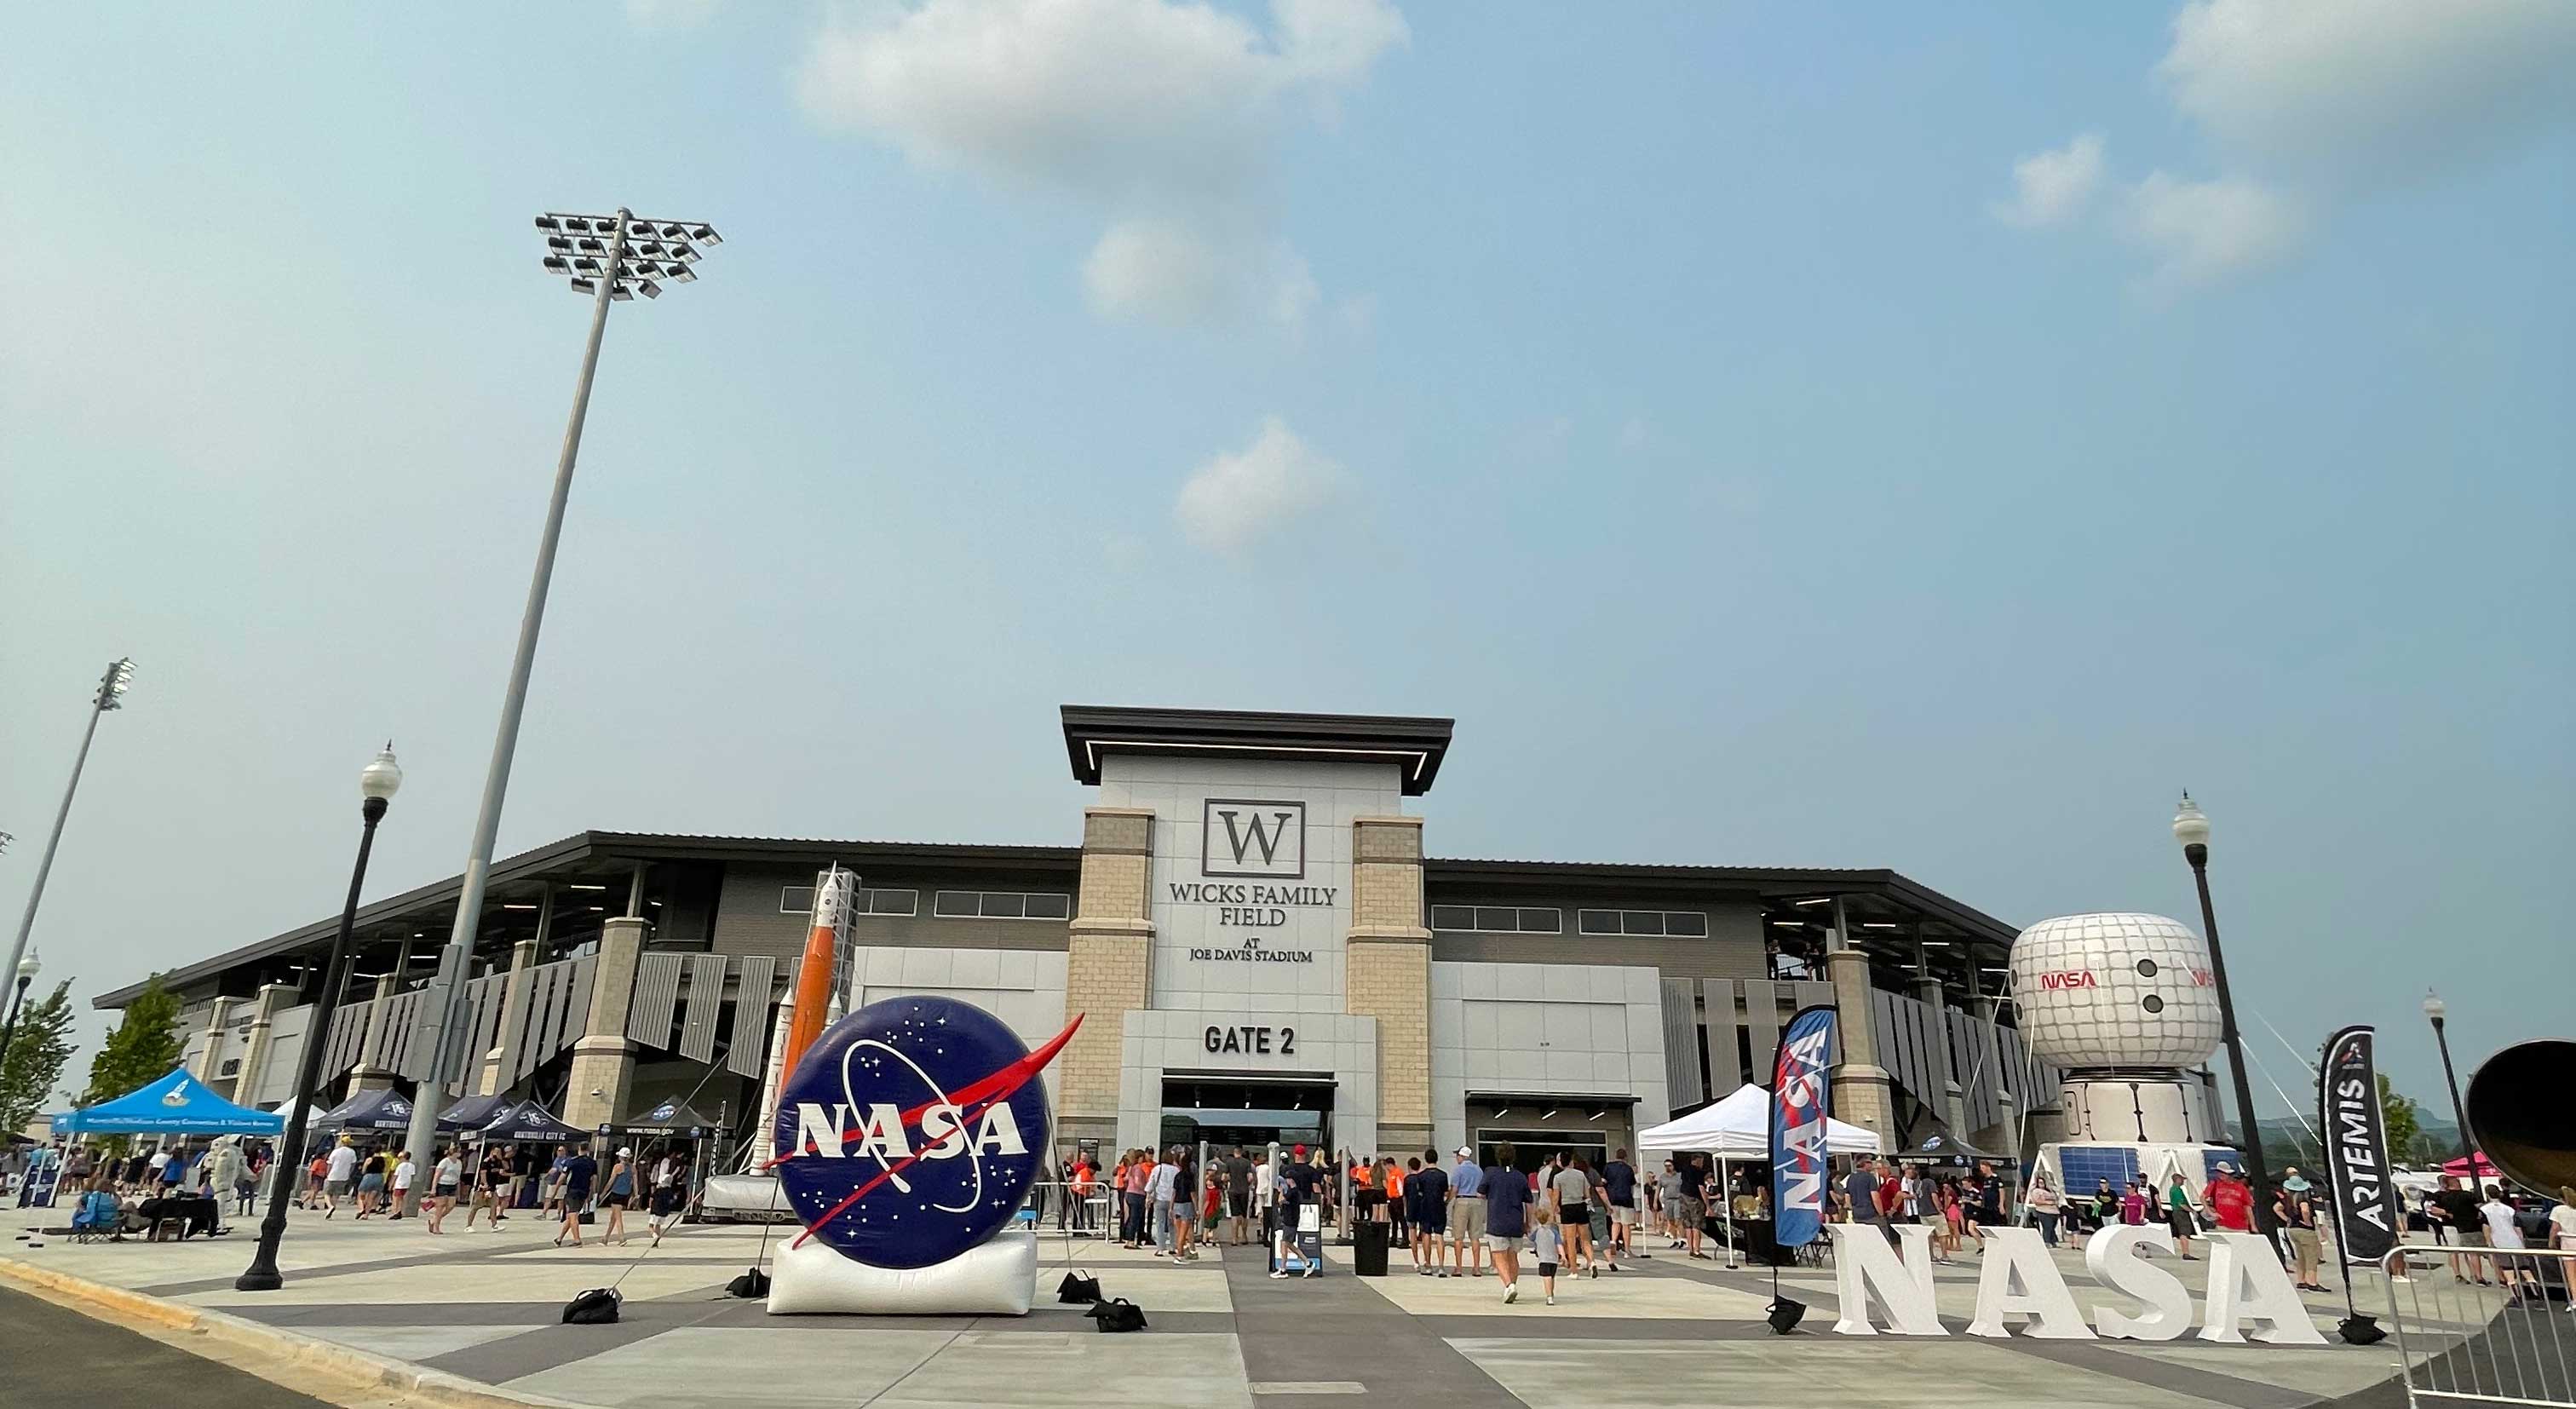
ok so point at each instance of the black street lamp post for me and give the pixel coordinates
(2434, 1011)
(2191, 828)
(27, 969)
(377, 783)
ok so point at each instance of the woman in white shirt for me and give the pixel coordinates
(2505, 1238)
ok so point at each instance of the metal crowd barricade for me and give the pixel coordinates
(2511, 1341)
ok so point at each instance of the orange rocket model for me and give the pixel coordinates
(814, 978)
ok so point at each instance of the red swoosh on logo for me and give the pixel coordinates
(983, 1094)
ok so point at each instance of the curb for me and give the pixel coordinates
(281, 1349)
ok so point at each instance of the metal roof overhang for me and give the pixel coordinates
(1415, 744)
(594, 854)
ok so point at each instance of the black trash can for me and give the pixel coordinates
(1368, 1249)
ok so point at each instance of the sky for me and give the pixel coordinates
(1874, 435)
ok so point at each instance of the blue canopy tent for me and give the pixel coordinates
(177, 1104)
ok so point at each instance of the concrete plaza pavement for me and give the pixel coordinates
(486, 1307)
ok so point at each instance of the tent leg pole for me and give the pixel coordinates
(1726, 1191)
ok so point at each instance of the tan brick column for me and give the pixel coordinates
(1108, 969)
(603, 1061)
(1387, 972)
(257, 1040)
(1862, 1092)
(208, 1062)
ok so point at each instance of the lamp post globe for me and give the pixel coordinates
(2191, 828)
(377, 783)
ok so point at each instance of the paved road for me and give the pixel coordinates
(75, 1360)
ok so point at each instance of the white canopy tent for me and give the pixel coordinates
(1739, 1127)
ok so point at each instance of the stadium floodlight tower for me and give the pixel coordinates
(612, 258)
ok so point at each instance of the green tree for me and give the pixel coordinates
(38, 1047)
(2405, 1130)
(144, 1047)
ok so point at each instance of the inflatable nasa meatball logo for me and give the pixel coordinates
(912, 1129)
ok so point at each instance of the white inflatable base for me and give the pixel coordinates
(996, 1278)
(749, 1198)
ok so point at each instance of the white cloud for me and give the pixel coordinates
(2358, 91)
(2204, 231)
(1160, 114)
(1241, 497)
(2306, 103)
(2054, 187)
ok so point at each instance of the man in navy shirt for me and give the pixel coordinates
(1507, 1201)
(1620, 1178)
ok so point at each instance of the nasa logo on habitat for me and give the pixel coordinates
(1253, 837)
(911, 1131)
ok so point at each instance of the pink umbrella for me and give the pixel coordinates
(2459, 1168)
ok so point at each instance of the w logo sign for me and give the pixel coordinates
(1247, 837)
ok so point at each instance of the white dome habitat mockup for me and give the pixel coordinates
(2115, 990)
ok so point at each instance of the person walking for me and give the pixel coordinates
(579, 1171)
(2456, 1210)
(1162, 1191)
(1507, 1213)
(1086, 1183)
(670, 1195)
(2505, 1237)
(337, 1170)
(2231, 1201)
(1547, 1243)
(1619, 1180)
(401, 1185)
(1570, 1198)
(620, 1193)
(2178, 1216)
(445, 1178)
(1183, 1216)
(1238, 1196)
(1467, 1216)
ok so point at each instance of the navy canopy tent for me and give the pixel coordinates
(671, 1117)
(177, 1104)
(532, 1123)
(474, 1112)
(372, 1110)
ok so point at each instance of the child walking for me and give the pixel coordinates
(1547, 1241)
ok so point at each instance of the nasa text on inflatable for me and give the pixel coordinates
(911, 1130)
(1798, 1101)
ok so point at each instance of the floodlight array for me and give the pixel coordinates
(635, 254)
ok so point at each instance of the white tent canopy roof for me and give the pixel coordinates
(1740, 1127)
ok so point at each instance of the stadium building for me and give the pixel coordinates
(1259, 939)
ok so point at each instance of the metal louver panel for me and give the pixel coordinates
(749, 1040)
(657, 996)
(1725, 1053)
(705, 997)
(399, 1015)
(1762, 1020)
(576, 1021)
(1681, 1044)
(548, 990)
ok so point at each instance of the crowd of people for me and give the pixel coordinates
(1453, 1219)
(569, 1189)
(202, 1179)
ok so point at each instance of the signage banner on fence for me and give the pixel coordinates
(2356, 1141)
(1798, 1100)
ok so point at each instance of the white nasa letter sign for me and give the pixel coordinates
(2111, 1255)
(2016, 1278)
(2247, 1283)
(1865, 1266)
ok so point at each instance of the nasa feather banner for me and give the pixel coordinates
(1799, 1095)
(2356, 1148)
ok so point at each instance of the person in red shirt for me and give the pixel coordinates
(2231, 1201)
